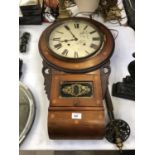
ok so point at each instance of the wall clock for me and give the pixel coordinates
(76, 53)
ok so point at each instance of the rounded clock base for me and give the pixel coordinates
(76, 124)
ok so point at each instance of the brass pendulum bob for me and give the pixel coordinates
(63, 12)
(117, 130)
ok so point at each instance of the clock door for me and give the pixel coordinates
(76, 89)
(76, 110)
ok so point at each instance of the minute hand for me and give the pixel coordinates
(71, 32)
(67, 40)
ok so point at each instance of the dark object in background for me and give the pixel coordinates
(55, 12)
(20, 67)
(30, 20)
(109, 10)
(94, 152)
(129, 6)
(30, 5)
(24, 41)
(126, 89)
(52, 7)
(31, 12)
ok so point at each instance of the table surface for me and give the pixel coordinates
(37, 138)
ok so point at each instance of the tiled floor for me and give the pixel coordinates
(132, 152)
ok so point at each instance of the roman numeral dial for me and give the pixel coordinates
(75, 39)
(94, 31)
(76, 25)
(94, 46)
(96, 38)
(76, 55)
(56, 39)
(65, 52)
(58, 46)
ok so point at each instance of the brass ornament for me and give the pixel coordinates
(63, 12)
(76, 90)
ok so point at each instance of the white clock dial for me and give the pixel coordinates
(75, 39)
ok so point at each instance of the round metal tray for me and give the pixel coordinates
(26, 111)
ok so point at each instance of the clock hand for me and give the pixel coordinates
(67, 40)
(71, 32)
(73, 36)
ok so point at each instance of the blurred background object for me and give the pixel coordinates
(51, 11)
(24, 41)
(129, 6)
(63, 12)
(30, 12)
(51, 3)
(20, 68)
(109, 10)
(87, 5)
(27, 111)
(126, 88)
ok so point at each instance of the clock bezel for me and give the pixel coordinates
(51, 51)
(84, 65)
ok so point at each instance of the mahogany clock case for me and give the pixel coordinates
(80, 65)
(61, 124)
(66, 80)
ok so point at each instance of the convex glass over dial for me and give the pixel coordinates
(75, 39)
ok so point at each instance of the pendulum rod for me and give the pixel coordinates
(114, 127)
